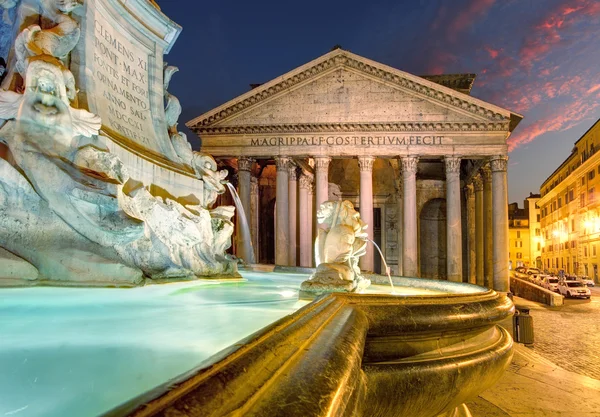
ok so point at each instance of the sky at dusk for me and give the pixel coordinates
(539, 58)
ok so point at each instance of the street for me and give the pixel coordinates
(568, 336)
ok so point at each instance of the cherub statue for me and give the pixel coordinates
(337, 249)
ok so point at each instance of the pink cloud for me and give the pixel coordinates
(469, 13)
(593, 88)
(561, 119)
(493, 52)
(546, 34)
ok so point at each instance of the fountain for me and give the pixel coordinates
(387, 268)
(87, 201)
(243, 223)
(337, 249)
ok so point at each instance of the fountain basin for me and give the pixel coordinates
(354, 354)
(202, 348)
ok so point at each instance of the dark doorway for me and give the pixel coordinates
(432, 237)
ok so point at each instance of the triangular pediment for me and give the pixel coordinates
(344, 88)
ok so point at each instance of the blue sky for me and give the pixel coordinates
(539, 58)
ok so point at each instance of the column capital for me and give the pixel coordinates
(321, 162)
(306, 181)
(486, 173)
(452, 164)
(282, 162)
(478, 182)
(365, 163)
(293, 171)
(244, 163)
(498, 163)
(409, 164)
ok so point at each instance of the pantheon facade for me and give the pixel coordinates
(421, 159)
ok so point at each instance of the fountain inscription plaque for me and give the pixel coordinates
(124, 75)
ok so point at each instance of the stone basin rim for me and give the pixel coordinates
(233, 362)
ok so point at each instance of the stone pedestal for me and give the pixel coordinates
(282, 231)
(453, 220)
(365, 163)
(500, 223)
(409, 225)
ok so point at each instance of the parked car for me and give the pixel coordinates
(533, 274)
(540, 279)
(570, 288)
(550, 283)
(587, 281)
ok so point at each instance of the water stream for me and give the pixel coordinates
(387, 268)
(243, 224)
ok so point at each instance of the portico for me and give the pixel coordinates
(402, 148)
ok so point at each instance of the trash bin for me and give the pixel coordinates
(523, 326)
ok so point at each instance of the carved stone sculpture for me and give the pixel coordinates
(69, 209)
(338, 246)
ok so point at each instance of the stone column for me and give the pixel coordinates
(311, 222)
(488, 266)
(453, 220)
(293, 206)
(410, 261)
(399, 223)
(479, 231)
(321, 180)
(500, 223)
(365, 164)
(254, 215)
(304, 211)
(244, 240)
(282, 228)
(470, 191)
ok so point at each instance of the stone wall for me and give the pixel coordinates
(530, 291)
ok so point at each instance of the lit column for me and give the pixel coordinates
(500, 223)
(254, 215)
(488, 264)
(409, 226)
(479, 229)
(293, 212)
(311, 222)
(365, 164)
(244, 241)
(321, 180)
(471, 246)
(453, 221)
(304, 211)
(282, 230)
(400, 226)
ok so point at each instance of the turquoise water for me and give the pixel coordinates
(81, 352)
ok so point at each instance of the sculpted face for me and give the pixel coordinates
(325, 211)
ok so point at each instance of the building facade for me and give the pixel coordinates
(518, 237)
(422, 160)
(524, 244)
(570, 210)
